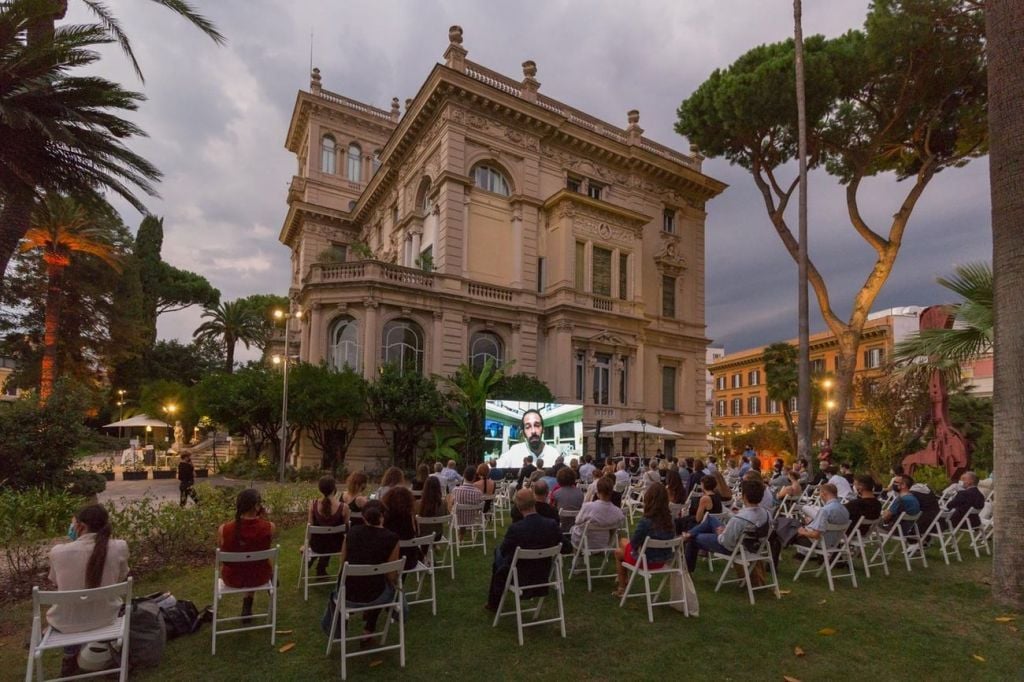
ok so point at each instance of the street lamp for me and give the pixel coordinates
(829, 406)
(287, 317)
(120, 411)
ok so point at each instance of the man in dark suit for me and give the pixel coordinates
(968, 498)
(524, 473)
(532, 532)
(540, 494)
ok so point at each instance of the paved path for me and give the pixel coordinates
(162, 489)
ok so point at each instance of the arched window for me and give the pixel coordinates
(346, 350)
(355, 163)
(425, 202)
(484, 345)
(402, 345)
(328, 154)
(376, 160)
(491, 179)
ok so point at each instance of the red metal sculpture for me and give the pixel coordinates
(947, 448)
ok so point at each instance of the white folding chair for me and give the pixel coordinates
(865, 535)
(343, 612)
(45, 637)
(903, 532)
(973, 526)
(675, 565)
(422, 572)
(746, 559)
(519, 590)
(220, 589)
(830, 555)
(944, 531)
(443, 549)
(491, 515)
(308, 556)
(633, 503)
(676, 509)
(584, 551)
(723, 518)
(567, 519)
(470, 528)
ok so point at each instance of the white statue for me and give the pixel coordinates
(179, 436)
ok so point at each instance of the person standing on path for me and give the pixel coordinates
(187, 478)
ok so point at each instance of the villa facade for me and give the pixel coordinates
(486, 220)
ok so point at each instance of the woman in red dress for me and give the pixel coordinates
(249, 532)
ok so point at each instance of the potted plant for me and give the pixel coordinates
(136, 471)
(106, 468)
(202, 472)
(164, 473)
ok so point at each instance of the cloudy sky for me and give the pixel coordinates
(217, 118)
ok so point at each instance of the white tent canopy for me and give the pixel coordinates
(139, 420)
(636, 426)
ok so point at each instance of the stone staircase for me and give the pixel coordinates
(202, 452)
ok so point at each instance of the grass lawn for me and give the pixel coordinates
(935, 623)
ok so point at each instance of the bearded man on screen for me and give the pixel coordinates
(533, 430)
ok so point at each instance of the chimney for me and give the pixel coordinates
(455, 55)
(633, 131)
(530, 82)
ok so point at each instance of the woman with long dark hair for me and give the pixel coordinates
(400, 519)
(431, 505)
(657, 525)
(331, 512)
(249, 532)
(93, 559)
(393, 477)
(355, 495)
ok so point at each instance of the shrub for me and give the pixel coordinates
(935, 478)
(38, 442)
(85, 483)
(29, 520)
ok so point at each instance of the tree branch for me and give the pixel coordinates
(870, 236)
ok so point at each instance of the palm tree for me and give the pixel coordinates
(1004, 31)
(52, 11)
(469, 390)
(61, 228)
(58, 133)
(230, 322)
(969, 338)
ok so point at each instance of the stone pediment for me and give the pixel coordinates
(608, 338)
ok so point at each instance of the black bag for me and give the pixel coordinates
(148, 634)
(181, 619)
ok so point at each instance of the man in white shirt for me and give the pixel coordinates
(621, 477)
(450, 477)
(587, 469)
(843, 487)
(533, 431)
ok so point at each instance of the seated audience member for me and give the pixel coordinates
(422, 474)
(744, 466)
(392, 477)
(723, 489)
(621, 477)
(710, 502)
(929, 503)
(525, 471)
(840, 482)
(400, 519)
(687, 470)
(567, 496)
(465, 494)
(832, 511)
(905, 501)
(800, 466)
(846, 471)
(696, 476)
(549, 478)
(655, 524)
(712, 465)
(591, 493)
(331, 512)
(249, 532)
(676, 488)
(450, 477)
(370, 544)
(777, 477)
(712, 535)
(484, 484)
(755, 465)
(600, 512)
(968, 498)
(557, 466)
(767, 500)
(432, 505)
(93, 559)
(865, 505)
(792, 488)
(531, 531)
(896, 471)
(587, 469)
(542, 507)
(354, 496)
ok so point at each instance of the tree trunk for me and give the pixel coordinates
(15, 218)
(1005, 33)
(51, 328)
(229, 347)
(849, 344)
(787, 416)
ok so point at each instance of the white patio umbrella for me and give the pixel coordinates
(141, 420)
(635, 426)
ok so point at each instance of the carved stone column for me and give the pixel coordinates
(370, 334)
(317, 334)
(436, 345)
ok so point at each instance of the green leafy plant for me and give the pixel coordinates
(84, 483)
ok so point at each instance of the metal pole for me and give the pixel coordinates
(804, 362)
(284, 396)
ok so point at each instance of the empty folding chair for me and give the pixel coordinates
(586, 549)
(392, 610)
(220, 589)
(470, 528)
(308, 557)
(491, 515)
(973, 526)
(675, 565)
(521, 589)
(863, 539)
(830, 553)
(422, 573)
(45, 637)
(443, 549)
(750, 551)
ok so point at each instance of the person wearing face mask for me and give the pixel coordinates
(93, 559)
(904, 502)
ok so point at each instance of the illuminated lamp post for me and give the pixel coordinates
(287, 317)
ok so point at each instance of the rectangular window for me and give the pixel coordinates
(754, 405)
(874, 357)
(623, 275)
(838, 364)
(573, 184)
(594, 190)
(793, 405)
(737, 380)
(754, 377)
(624, 379)
(601, 272)
(581, 256)
(541, 276)
(720, 383)
(720, 408)
(737, 407)
(338, 252)
(668, 296)
(581, 363)
(567, 430)
(668, 221)
(773, 407)
(549, 434)
(668, 388)
(426, 259)
(602, 378)
(817, 366)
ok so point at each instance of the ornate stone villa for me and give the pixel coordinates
(489, 220)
